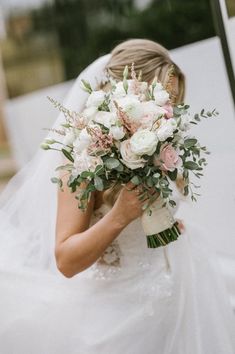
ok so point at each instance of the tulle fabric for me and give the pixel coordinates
(168, 300)
(28, 204)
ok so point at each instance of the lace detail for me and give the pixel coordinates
(128, 257)
(109, 264)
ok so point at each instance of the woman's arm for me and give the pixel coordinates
(77, 245)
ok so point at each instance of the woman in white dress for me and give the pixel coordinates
(96, 287)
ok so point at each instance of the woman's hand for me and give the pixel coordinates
(130, 203)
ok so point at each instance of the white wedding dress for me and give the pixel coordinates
(133, 300)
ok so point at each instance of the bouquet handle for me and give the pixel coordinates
(159, 225)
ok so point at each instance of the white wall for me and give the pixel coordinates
(207, 87)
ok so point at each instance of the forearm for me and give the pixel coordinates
(81, 250)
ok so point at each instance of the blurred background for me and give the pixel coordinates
(44, 44)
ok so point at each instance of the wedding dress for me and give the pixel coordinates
(132, 300)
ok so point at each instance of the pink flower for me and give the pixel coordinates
(169, 110)
(168, 158)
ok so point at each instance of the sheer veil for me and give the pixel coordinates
(28, 203)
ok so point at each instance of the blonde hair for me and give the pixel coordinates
(152, 60)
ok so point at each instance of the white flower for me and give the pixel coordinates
(95, 99)
(120, 92)
(82, 141)
(85, 162)
(185, 123)
(161, 97)
(166, 129)
(130, 105)
(117, 132)
(150, 107)
(143, 142)
(89, 113)
(158, 87)
(105, 118)
(129, 159)
(69, 138)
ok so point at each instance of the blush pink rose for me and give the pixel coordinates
(168, 158)
(169, 110)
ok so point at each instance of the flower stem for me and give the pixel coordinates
(164, 237)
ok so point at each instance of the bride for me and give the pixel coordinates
(74, 282)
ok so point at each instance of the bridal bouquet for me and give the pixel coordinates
(132, 132)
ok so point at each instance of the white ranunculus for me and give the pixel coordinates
(82, 141)
(161, 97)
(85, 162)
(185, 123)
(117, 132)
(105, 118)
(129, 159)
(143, 142)
(166, 129)
(89, 113)
(95, 99)
(69, 138)
(130, 105)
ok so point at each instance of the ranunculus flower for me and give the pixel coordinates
(105, 118)
(85, 162)
(161, 97)
(82, 141)
(117, 132)
(168, 159)
(143, 142)
(166, 129)
(129, 159)
(95, 99)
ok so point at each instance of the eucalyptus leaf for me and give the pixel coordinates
(112, 163)
(68, 155)
(98, 182)
(191, 165)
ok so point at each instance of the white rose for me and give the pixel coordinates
(143, 142)
(89, 113)
(166, 129)
(105, 118)
(85, 162)
(69, 138)
(117, 132)
(82, 141)
(95, 99)
(161, 97)
(129, 159)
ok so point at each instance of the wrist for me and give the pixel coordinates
(118, 219)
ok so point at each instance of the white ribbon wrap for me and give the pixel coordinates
(160, 219)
